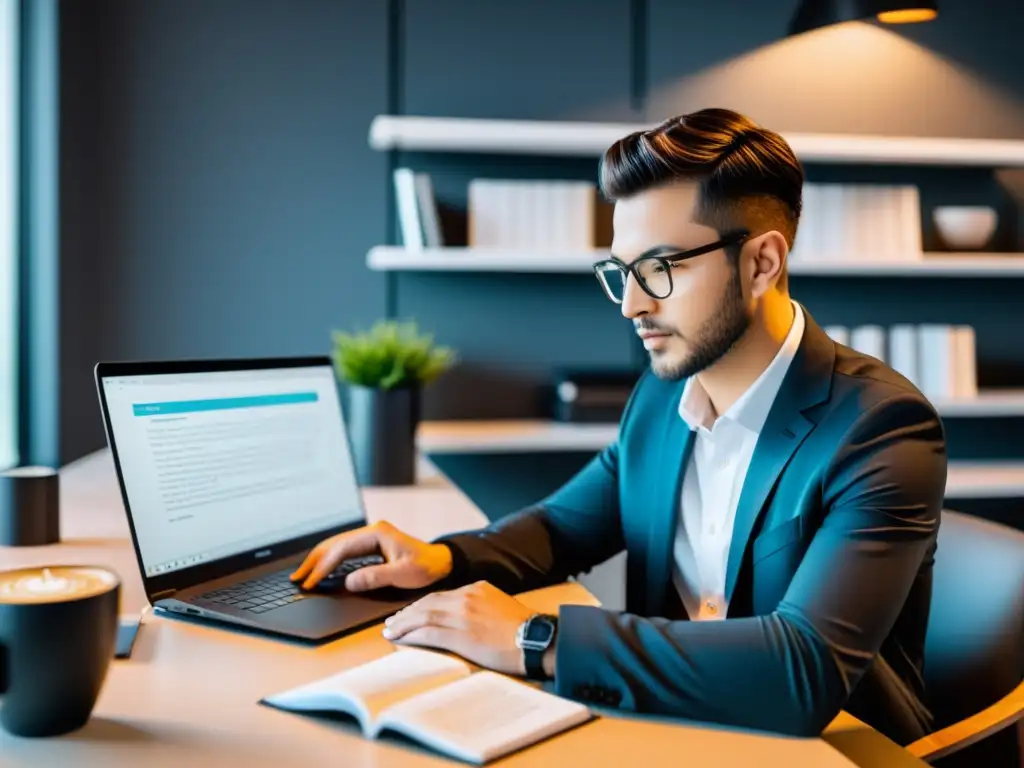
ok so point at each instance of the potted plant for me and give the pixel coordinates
(384, 371)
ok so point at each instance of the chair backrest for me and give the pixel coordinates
(974, 649)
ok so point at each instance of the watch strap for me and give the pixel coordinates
(533, 658)
(534, 662)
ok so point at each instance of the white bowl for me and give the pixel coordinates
(965, 227)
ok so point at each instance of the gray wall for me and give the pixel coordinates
(220, 197)
(535, 59)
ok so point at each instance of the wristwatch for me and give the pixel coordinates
(534, 637)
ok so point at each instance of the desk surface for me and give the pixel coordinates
(188, 694)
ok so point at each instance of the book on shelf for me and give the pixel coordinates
(438, 701)
(430, 218)
(859, 222)
(869, 339)
(513, 213)
(418, 216)
(946, 360)
(903, 351)
(939, 359)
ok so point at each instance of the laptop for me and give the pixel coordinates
(230, 472)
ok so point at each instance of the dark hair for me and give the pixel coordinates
(748, 176)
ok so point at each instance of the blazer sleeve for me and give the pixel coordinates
(571, 531)
(793, 670)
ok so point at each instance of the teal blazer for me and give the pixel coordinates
(829, 569)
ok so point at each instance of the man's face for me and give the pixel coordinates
(706, 314)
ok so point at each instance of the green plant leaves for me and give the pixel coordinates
(391, 354)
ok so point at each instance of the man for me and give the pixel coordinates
(778, 494)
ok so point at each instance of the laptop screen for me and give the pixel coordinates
(219, 463)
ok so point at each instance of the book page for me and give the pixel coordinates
(368, 689)
(483, 717)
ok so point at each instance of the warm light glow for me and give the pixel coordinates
(833, 78)
(907, 16)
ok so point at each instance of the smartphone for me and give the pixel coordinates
(127, 631)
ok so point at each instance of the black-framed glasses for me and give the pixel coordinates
(654, 273)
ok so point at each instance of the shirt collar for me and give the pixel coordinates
(751, 409)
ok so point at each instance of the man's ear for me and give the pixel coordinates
(766, 256)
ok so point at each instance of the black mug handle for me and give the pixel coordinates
(3, 669)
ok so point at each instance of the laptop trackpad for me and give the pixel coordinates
(321, 615)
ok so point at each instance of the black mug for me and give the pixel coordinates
(58, 630)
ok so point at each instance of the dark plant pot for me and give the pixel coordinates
(382, 427)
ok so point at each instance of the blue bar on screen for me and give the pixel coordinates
(221, 403)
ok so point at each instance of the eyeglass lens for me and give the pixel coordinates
(652, 273)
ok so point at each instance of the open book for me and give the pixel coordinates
(440, 702)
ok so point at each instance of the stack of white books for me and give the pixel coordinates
(859, 222)
(537, 214)
(938, 359)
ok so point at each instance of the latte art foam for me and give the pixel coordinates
(54, 584)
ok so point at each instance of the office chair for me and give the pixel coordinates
(974, 648)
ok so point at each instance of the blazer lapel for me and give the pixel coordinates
(675, 447)
(807, 383)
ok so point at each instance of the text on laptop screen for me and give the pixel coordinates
(215, 464)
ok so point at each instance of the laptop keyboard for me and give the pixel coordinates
(276, 589)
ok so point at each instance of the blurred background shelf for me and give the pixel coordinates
(988, 403)
(939, 264)
(512, 436)
(583, 139)
(996, 479)
(990, 479)
(459, 259)
(501, 435)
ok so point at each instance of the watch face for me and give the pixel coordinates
(539, 631)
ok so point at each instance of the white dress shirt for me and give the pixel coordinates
(714, 478)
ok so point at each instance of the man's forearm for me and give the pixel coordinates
(519, 553)
(549, 662)
(765, 672)
(569, 532)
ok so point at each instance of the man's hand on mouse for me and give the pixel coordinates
(409, 562)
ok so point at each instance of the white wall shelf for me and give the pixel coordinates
(1002, 479)
(988, 403)
(939, 264)
(582, 139)
(965, 479)
(513, 436)
(456, 259)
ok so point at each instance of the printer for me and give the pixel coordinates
(592, 395)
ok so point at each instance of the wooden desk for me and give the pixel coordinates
(188, 695)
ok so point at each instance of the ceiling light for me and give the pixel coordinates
(812, 14)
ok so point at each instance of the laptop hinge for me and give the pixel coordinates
(161, 595)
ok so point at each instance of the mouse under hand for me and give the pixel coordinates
(335, 580)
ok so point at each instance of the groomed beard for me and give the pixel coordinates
(713, 339)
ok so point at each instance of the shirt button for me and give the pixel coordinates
(711, 530)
